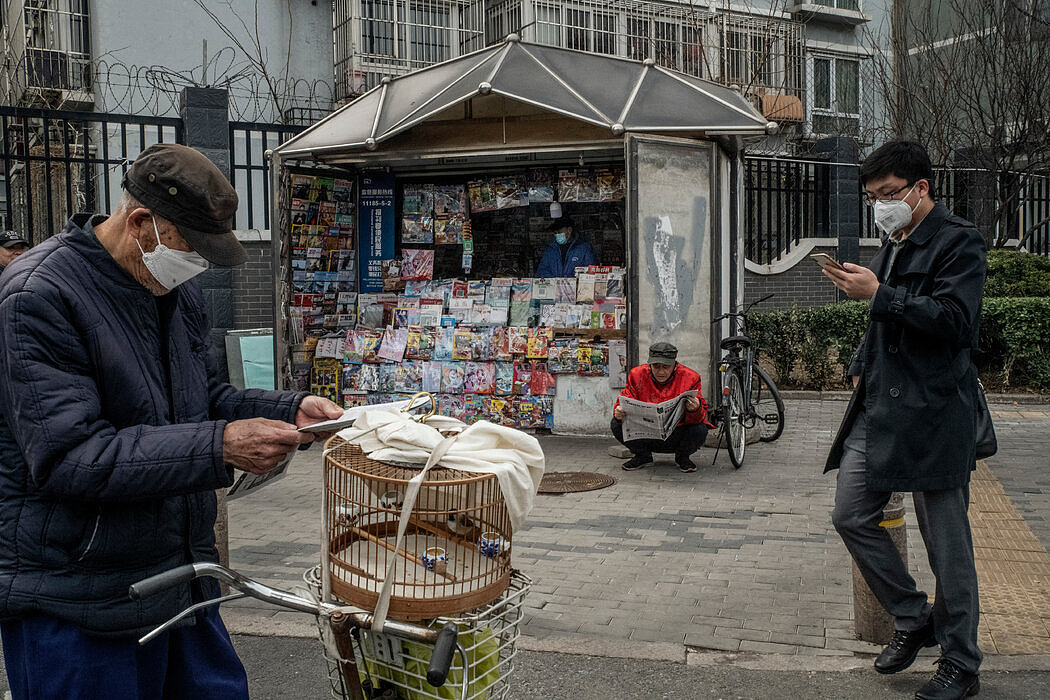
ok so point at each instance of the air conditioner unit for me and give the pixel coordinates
(76, 100)
(47, 69)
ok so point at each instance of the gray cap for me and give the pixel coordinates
(662, 353)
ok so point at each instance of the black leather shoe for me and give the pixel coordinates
(949, 683)
(638, 461)
(900, 653)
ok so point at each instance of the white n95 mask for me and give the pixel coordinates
(171, 267)
(893, 215)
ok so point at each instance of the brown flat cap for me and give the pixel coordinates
(180, 184)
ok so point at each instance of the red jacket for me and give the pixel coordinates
(642, 387)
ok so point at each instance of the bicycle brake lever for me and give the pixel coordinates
(193, 608)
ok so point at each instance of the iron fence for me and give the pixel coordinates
(789, 199)
(786, 200)
(250, 169)
(56, 163)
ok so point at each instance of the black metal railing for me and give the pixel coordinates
(250, 169)
(789, 199)
(56, 163)
(786, 200)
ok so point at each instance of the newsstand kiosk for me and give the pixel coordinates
(409, 226)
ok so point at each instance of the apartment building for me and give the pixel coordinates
(805, 64)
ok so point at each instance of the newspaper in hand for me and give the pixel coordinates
(247, 482)
(652, 421)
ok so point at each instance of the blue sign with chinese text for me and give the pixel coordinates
(376, 217)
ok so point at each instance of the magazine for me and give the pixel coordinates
(652, 421)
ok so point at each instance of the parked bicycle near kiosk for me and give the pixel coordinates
(749, 398)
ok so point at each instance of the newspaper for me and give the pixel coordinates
(652, 421)
(246, 482)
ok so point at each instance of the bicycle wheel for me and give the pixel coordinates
(767, 405)
(736, 435)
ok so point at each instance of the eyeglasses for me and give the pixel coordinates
(870, 200)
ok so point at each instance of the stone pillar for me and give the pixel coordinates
(844, 205)
(871, 621)
(206, 127)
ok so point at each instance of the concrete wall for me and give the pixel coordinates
(171, 35)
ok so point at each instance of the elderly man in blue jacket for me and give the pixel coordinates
(117, 435)
(566, 252)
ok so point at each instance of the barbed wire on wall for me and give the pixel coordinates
(155, 90)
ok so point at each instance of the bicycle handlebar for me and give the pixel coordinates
(444, 641)
(744, 312)
(441, 657)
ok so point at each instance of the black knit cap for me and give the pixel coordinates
(181, 185)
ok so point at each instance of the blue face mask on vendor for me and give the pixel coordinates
(561, 238)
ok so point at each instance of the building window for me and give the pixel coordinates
(548, 25)
(693, 51)
(666, 44)
(605, 33)
(577, 29)
(637, 38)
(839, 4)
(835, 95)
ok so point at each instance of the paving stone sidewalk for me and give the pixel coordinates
(722, 559)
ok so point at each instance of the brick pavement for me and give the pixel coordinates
(732, 560)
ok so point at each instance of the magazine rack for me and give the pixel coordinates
(455, 555)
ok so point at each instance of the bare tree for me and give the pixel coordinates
(971, 80)
(249, 42)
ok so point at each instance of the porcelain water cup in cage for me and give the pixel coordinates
(491, 544)
(435, 559)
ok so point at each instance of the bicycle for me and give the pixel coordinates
(749, 397)
(344, 622)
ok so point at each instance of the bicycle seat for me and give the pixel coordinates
(735, 341)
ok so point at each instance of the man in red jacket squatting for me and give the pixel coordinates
(662, 379)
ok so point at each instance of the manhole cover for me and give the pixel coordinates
(569, 482)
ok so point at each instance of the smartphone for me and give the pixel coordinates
(825, 260)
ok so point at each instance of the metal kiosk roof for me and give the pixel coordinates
(519, 95)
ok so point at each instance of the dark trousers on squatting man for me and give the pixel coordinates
(685, 440)
(945, 529)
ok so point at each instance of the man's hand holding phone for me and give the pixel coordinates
(856, 281)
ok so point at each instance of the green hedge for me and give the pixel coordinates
(1013, 273)
(811, 348)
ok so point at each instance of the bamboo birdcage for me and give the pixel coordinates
(453, 510)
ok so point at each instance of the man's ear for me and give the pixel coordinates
(140, 222)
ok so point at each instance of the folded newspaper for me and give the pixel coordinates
(652, 421)
(247, 482)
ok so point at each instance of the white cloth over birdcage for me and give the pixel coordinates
(514, 457)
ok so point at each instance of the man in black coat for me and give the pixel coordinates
(910, 425)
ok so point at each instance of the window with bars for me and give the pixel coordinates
(638, 32)
(761, 56)
(584, 29)
(693, 61)
(835, 95)
(839, 4)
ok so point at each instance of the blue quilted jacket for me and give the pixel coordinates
(111, 446)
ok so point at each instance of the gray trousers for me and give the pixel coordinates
(945, 529)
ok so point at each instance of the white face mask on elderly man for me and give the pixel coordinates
(171, 267)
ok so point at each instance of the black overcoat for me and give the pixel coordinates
(918, 382)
